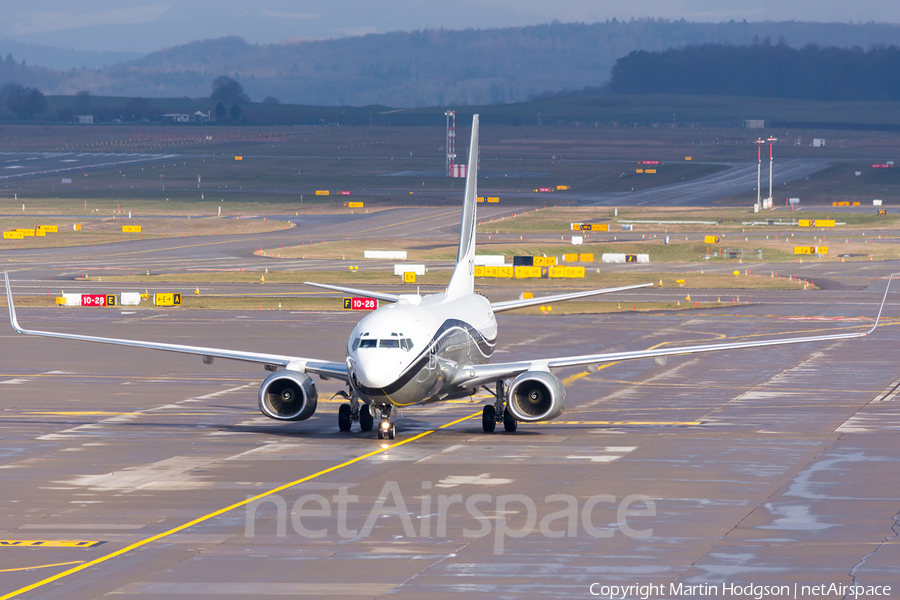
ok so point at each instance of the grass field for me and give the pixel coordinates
(109, 229)
(557, 220)
(363, 278)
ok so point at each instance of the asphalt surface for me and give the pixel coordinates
(770, 466)
(16, 166)
(130, 472)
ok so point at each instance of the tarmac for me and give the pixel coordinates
(147, 474)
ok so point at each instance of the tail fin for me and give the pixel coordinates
(463, 279)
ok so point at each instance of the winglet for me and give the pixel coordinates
(12, 308)
(881, 308)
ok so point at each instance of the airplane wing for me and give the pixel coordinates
(514, 304)
(472, 376)
(337, 370)
(348, 290)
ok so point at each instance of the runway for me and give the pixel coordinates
(771, 466)
(16, 166)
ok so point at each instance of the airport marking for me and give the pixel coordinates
(50, 543)
(229, 508)
(74, 562)
(677, 423)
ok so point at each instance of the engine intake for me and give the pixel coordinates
(288, 396)
(536, 396)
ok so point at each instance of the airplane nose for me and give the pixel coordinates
(374, 371)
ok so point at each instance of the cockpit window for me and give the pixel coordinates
(355, 345)
(406, 344)
(368, 343)
(389, 344)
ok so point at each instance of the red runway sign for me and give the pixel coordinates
(360, 304)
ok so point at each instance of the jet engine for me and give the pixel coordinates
(288, 396)
(536, 396)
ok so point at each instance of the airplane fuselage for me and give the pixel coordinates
(410, 352)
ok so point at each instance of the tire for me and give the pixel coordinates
(366, 421)
(509, 423)
(380, 433)
(487, 419)
(392, 431)
(344, 420)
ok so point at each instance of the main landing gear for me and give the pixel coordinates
(353, 412)
(498, 412)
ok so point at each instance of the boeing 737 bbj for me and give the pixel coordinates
(421, 349)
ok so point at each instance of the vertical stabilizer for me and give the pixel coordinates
(463, 279)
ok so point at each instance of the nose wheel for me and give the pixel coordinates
(386, 430)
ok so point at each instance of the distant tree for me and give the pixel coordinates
(82, 102)
(25, 101)
(235, 112)
(136, 109)
(271, 100)
(220, 111)
(228, 91)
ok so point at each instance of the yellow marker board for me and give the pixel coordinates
(39, 232)
(76, 227)
(804, 223)
(354, 205)
(322, 192)
(562, 187)
(824, 223)
(26, 232)
(481, 198)
(803, 249)
(711, 239)
(167, 299)
(649, 170)
(48, 228)
(238, 158)
(409, 277)
(493, 199)
(588, 257)
(821, 249)
(131, 228)
(13, 235)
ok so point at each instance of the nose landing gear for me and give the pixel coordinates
(386, 428)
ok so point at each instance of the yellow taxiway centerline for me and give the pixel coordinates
(74, 562)
(222, 511)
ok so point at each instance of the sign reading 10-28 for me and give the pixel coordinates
(360, 304)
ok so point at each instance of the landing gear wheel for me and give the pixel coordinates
(391, 432)
(487, 419)
(509, 423)
(344, 417)
(366, 421)
(380, 433)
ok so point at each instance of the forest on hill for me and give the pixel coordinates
(430, 67)
(762, 70)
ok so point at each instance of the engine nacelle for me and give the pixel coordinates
(288, 396)
(536, 396)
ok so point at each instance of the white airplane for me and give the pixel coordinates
(422, 349)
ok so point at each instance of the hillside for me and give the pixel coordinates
(423, 68)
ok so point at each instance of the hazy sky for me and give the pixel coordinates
(147, 25)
